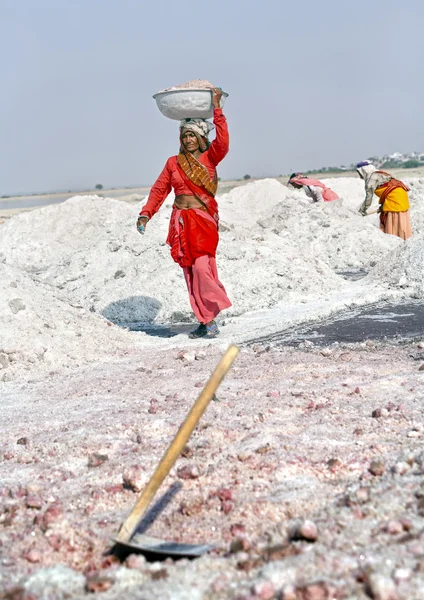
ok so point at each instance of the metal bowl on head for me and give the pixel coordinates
(187, 103)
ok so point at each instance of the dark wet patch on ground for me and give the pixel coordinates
(163, 331)
(382, 322)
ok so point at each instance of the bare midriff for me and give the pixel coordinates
(186, 201)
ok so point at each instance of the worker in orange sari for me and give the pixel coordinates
(393, 199)
(193, 228)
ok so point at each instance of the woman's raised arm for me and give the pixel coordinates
(220, 145)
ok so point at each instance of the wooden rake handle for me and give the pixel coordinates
(176, 446)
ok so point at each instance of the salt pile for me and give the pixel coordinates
(332, 232)
(404, 268)
(416, 198)
(77, 262)
(95, 257)
(38, 331)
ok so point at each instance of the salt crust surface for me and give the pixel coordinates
(305, 410)
(65, 267)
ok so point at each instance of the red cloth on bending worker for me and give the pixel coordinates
(171, 176)
(328, 194)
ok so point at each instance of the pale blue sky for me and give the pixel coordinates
(310, 83)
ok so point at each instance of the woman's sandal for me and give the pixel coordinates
(199, 332)
(203, 330)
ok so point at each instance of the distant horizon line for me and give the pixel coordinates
(106, 188)
(323, 170)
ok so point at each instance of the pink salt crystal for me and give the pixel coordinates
(224, 494)
(188, 472)
(32, 556)
(237, 529)
(264, 590)
(33, 501)
(394, 527)
(134, 478)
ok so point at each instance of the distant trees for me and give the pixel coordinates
(412, 164)
(325, 170)
(99, 186)
(246, 177)
(392, 164)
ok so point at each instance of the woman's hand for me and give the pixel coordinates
(141, 224)
(216, 97)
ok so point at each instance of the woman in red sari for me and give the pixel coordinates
(193, 229)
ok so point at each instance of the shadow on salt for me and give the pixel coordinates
(138, 313)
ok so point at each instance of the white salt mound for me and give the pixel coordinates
(39, 331)
(331, 232)
(275, 247)
(404, 268)
(64, 267)
(416, 199)
(88, 249)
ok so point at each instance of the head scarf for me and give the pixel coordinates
(365, 169)
(200, 128)
(292, 179)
